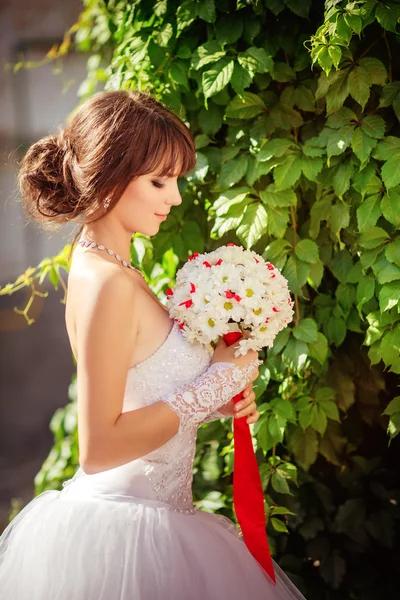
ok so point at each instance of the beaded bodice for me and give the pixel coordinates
(165, 475)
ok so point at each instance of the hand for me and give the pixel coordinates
(248, 408)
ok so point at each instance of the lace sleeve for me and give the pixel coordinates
(196, 400)
(213, 417)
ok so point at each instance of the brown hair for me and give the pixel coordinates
(110, 139)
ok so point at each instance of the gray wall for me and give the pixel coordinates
(35, 361)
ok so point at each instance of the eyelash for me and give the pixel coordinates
(157, 184)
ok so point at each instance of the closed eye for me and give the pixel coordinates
(157, 184)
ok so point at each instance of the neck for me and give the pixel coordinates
(119, 241)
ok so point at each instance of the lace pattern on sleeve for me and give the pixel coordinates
(196, 400)
(213, 417)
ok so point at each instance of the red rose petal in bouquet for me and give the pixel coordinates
(186, 303)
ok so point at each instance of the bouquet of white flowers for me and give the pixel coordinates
(224, 293)
(228, 285)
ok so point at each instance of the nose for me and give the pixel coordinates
(176, 198)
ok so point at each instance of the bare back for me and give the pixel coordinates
(150, 321)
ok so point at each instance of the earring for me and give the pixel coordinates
(107, 203)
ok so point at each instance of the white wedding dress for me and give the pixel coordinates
(132, 532)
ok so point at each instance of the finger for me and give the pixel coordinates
(253, 418)
(247, 410)
(248, 399)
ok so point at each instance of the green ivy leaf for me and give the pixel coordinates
(320, 210)
(387, 14)
(233, 171)
(295, 355)
(277, 221)
(389, 273)
(253, 225)
(217, 78)
(247, 106)
(354, 22)
(307, 251)
(272, 196)
(306, 330)
(341, 179)
(387, 148)
(340, 217)
(276, 252)
(279, 525)
(359, 85)
(393, 406)
(280, 484)
(373, 237)
(206, 10)
(365, 291)
(319, 348)
(275, 147)
(373, 126)
(296, 272)
(282, 407)
(339, 140)
(336, 330)
(241, 79)
(390, 206)
(311, 167)
(256, 60)
(389, 296)
(362, 145)
(392, 252)
(324, 59)
(283, 72)
(338, 92)
(228, 28)
(304, 446)
(375, 68)
(319, 420)
(210, 52)
(229, 198)
(343, 116)
(288, 172)
(391, 172)
(369, 212)
(335, 53)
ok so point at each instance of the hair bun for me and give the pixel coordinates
(47, 179)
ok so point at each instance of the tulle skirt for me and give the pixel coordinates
(106, 547)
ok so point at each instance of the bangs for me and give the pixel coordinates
(174, 152)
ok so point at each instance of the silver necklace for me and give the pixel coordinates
(93, 244)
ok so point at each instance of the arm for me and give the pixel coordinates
(139, 432)
(106, 332)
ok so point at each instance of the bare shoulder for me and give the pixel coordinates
(99, 291)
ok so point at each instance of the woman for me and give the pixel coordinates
(124, 527)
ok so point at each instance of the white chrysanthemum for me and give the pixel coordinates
(231, 284)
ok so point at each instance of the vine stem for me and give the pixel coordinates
(63, 285)
(389, 55)
(369, 47)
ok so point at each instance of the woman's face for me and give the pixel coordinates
(144, 199)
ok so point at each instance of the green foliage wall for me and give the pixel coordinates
(295, 109)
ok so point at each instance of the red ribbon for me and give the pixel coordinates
(248, 496)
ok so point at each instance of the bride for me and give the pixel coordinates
(125, 526)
